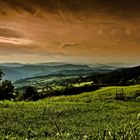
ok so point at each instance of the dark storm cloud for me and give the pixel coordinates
(118, 7)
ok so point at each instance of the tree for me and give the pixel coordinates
(1, 74)
(6, 89)
(31, 93)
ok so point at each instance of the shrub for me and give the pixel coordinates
(6, 90)
(31, 93)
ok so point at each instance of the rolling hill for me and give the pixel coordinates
(121, 76)
(86, 116)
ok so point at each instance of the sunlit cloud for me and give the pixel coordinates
(68, 45)
(16, 41)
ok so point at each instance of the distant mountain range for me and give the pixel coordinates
(16, 71)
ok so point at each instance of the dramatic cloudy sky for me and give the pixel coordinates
(80, 31)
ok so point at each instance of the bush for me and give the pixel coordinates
(31, 93)
(6, 90)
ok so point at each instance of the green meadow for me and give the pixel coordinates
(96, 115)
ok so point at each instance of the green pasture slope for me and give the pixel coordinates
(88, 116)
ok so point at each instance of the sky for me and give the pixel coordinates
(76, 31)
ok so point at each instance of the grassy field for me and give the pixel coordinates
(87, 116)
(82, 84)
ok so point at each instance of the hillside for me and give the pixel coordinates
(122, 76)
(93, 115)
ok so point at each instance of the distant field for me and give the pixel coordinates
(82, 84)
(87, 116)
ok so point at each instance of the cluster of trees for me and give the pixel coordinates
(69, 90)
(6, 88)
(32, 93)
(7, 91)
